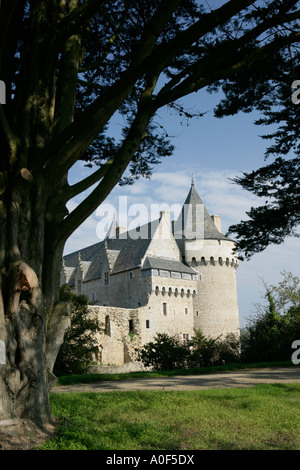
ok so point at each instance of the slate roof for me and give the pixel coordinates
(167, 265)
(194, 212)
(126, 250)
(123, 252)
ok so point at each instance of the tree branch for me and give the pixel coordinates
(81, 186)
(219, 66)
(114, 170)
(67, 81)
(7, 11)
(78, 17)
(222, 53)
(68, 147)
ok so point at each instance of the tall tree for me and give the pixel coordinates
(69, 66)
(273, 89)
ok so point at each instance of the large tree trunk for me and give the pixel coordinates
(32, 320)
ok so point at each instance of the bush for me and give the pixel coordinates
(164, 353)
(270, 336)
(167, 352)
(75, 354)
(204, 351)
(207, 351)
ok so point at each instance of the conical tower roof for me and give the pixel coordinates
(195, 221)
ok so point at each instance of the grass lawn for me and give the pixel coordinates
(264, 417)
(89, 378)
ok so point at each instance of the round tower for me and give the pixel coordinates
(212, 255)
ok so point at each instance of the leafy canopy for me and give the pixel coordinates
(71, 67)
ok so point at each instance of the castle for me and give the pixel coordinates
(172, 278)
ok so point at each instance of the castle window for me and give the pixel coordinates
(147, 323)
(156, 290)
(79, 286)
(170, 291)
(130, 275)
(194, 262)
(197, 313)
(185, 339)
(186, 311)
(164, 309)
(107, 325)
(131, 326)
(93, 296)
(106, 279)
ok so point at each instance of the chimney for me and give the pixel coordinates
(120, 230)
(217, 221)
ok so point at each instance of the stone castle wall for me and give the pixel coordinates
(170, 306)
(216, 306)
(121, 334)
(127, 288)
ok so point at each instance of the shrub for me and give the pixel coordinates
(206, 351)
(75, 354)
(164, 353)
(270, 336)
(167, 352)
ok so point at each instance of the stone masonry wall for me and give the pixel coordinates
(177, 316)
(120, 335)
(216, 306)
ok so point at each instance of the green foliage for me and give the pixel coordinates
(287, 293)
(79, 341)
(167, 352)
(206, 351)
(279, 216)
(269, 336)
(269, 90)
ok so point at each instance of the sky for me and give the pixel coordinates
(211, 151)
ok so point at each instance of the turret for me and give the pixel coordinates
(208, 251)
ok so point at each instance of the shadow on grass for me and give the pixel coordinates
(90, 378)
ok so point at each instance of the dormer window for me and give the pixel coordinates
(106, 279)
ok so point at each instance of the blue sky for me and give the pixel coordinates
(212, 150)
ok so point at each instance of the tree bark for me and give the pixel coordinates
(32, 320)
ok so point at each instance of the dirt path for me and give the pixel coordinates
(240, 378)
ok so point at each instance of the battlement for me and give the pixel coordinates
(212, 261)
